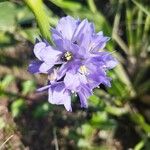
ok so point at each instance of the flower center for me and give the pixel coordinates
(83, 69)
(67, 56)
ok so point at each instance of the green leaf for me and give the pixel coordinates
(116, 111)
(84, 143)
(8, 79)
(24, 15)
(28, 86)
(94, 100)
(30, 34)
(87, 130)
(6, 39)
(73, 6)
(140, 145)
(92, 5)
(141, 7)
(17, 107)
(99, 117)
(139, 119)
(41, 17)
(100, 120)
(42, 110)
(7, 16)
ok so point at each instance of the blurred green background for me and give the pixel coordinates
(118, 118)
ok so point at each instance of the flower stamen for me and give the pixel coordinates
(67, 56)
(83, 69)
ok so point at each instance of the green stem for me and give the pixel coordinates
(92, 6)
(37, 7)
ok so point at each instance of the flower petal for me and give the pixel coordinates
(50, 55)
(44, 68)
(97, 77)
(34, 67)
(109, 60)
(98, 42)
(67, 101)
(46, 53)
(83, 32)
(72, 81)
(40, 46)
(84, 93)
(66, 26)
(43, 88)
(83, 100)
(57, 38)
(62, 70)
(60, 96)
(104, 59)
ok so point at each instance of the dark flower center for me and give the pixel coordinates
(67, 56)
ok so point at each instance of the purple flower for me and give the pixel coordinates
(79, 32)
(68, 54)
(91, 44)
(76, 63)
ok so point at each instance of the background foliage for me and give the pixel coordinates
(117, 117)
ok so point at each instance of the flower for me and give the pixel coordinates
(75, 63)
(82, 33)
(48, 56)
(79, 32)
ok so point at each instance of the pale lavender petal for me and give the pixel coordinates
(72, 81)
(99, 77)
(57, 38)
(106, 59)
(47, 54)
(74, 48)
(66, 26)
(50, 56)
(109, 60)
(83, 32)
(83, 28)
(84, 94)
(38, 48)
(67, 101)
(43, 88)
(60, 96)
(83, 100)
(44, 68)
(34, 67)
(98, 42)
(62, 70)
(82, 78)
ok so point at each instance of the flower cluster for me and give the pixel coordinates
(77, 63)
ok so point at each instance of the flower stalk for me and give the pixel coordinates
(42, 18)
